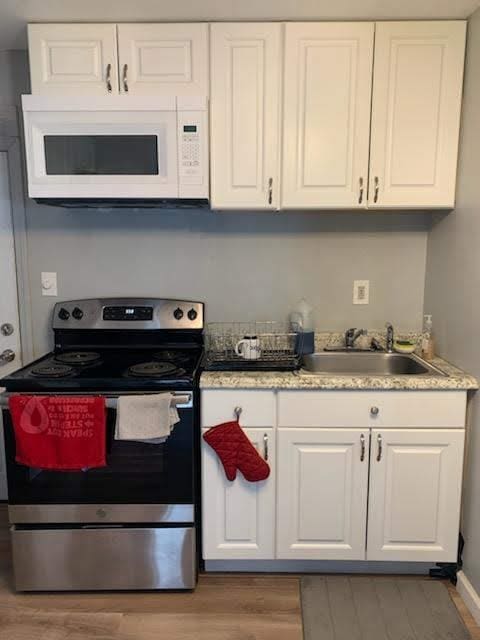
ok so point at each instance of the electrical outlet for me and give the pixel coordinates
(49, 283)
(361, 291)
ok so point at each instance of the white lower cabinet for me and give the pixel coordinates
(322, 493)
(387, 488)
(238, 516)
(415, 493)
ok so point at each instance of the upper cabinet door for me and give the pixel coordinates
(328, 76)
(73, 59)
(245, 107)
(417, 93)
(163, 58)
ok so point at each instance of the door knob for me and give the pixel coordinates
(7, 356)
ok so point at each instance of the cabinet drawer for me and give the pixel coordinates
(258, 407)
(427, 409)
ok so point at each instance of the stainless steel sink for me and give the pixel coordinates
(370, 364)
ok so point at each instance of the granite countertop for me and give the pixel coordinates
(455, 379)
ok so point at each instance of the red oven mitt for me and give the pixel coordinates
(235, 451)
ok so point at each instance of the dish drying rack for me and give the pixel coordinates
(279, 346)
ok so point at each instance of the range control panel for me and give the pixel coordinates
(122, 313)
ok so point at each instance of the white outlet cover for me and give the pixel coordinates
(49, 283)
(361, 291)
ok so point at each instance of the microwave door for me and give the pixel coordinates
(102, 154)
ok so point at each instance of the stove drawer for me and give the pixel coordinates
(106, 558)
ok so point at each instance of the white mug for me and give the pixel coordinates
(248, 348)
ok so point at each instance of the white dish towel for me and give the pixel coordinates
(149, 418)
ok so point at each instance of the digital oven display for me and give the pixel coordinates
(116, 314)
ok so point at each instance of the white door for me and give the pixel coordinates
(415, 494)
(322, 493)
(328, 76)
(73, 59)
(417, 94)
(238, 518)
(245, 110)
(9, 323)
(163, 58)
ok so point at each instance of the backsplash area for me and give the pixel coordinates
(243, 266)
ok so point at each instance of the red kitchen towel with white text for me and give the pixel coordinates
(55, 432)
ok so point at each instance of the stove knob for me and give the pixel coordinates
(178, 314)
(77, 313)
(63, 314)
(192, 314)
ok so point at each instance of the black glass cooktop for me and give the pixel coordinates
(109, 369)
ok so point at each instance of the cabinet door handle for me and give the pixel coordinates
(108, 78)
(270, 190)
(362, 448)
(379, 447)
(124, 78)
(376, 182)
(265, 446)
(360, 194)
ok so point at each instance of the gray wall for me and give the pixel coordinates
(243, 265)
(453, 284)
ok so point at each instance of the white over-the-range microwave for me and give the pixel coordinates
(117, 151)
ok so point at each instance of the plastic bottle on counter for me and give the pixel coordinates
(428, 344)
(302, 321)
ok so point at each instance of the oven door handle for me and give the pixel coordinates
(180, 400)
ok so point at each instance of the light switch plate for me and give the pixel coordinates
(49, 283)
(361, 291)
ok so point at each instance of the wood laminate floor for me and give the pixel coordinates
(223, 607)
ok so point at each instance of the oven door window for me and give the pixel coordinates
(135, 473)
(96, 155)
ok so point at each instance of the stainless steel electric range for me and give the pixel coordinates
(133, 523)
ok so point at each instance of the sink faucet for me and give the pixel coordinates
(389, 338)
(351, 335)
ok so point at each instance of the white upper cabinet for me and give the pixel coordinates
(73, 59)
(417, 92)
(163, 58)
(327, 94)
(153, 59)
(415, 494)
(245, 108)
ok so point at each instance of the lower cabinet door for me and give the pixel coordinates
(322, 493)
(415, 492)
(238, 517)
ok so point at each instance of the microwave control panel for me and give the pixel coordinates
(192, 132)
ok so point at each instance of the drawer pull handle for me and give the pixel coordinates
(265, 446)
(237, 412)
(374, 411)
(362, 448)
(379, 447)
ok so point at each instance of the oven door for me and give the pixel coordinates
(136, 473)
(103, 151)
